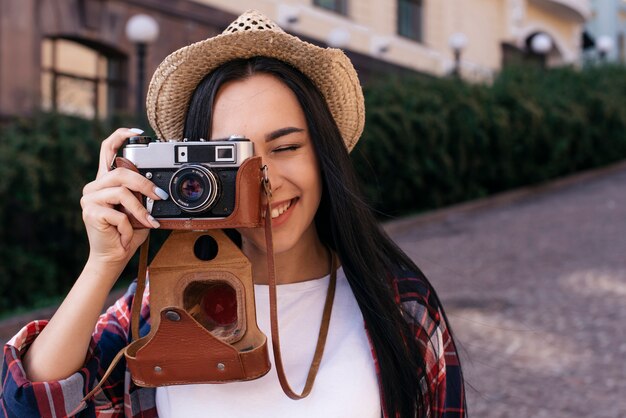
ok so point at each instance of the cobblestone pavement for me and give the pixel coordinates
(534, 285)
(535, 290)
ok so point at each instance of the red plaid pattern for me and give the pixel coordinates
(119, 397)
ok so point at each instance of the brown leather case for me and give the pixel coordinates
(179, 349)
(247, 210)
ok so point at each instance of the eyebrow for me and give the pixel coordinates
(281, 132)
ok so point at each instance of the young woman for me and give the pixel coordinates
(389, 349)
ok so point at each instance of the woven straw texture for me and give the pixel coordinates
(251, 35)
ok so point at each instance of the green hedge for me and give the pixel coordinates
(427, 143)
(432, 142)
(44, 163)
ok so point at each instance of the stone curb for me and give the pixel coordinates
(398, 226)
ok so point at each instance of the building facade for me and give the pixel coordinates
(607, 30)
(74, 55)
(417, 34)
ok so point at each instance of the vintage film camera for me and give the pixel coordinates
(212, 184)
(199, 175)
(203, 320)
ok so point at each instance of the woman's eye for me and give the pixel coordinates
(287, 148)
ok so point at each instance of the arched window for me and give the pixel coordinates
(82, 79)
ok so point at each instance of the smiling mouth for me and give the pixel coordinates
(281, 208)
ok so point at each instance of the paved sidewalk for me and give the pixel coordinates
(534, 284)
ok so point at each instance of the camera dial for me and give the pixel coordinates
(194, 188)
(138, 140)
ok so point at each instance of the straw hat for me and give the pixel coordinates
(251, 35)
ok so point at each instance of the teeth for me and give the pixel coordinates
(279, 210)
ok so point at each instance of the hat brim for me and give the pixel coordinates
(180, 73)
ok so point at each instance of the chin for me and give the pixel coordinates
(283, 241)
(295, 239)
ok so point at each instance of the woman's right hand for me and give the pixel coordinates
(60, 349)
(112, 239)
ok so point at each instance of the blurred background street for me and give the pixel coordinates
(534, 285)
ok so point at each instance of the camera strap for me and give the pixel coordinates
(142, 274)
(328, 306)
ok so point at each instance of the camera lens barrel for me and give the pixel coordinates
(194, 188)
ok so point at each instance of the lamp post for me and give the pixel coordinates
(605, 46)
(458, 42)
(141, 30)
(541, 44)
(379, 45)
(338, 38)
(288, 16)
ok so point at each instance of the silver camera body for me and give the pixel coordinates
(198, 175)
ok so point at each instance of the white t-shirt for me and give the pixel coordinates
(346, 384)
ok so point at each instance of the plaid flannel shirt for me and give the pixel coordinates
(119, 397)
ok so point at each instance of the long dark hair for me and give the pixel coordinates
(347, 226)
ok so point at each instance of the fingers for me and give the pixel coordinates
(126, 178)
(110, 146)
(104, 218)
(108, 198)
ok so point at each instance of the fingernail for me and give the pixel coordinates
(161, 193)
(153, 221)
(136, 131)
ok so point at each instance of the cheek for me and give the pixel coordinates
(309, 180)
(316, 178)
(317, 187)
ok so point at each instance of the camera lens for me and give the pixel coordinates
(194, 188)
(190, 188)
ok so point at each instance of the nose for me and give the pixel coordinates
(272, 171)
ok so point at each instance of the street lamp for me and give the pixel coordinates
(141, 30)
(338, 38)
(541, 44)
(605, 45)
(379, 45)
(458, 42)
(288, 16)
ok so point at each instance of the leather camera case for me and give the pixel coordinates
(179, 349)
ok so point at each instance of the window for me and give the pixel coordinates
(337, 6)
(79, 80)
(410, 15)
